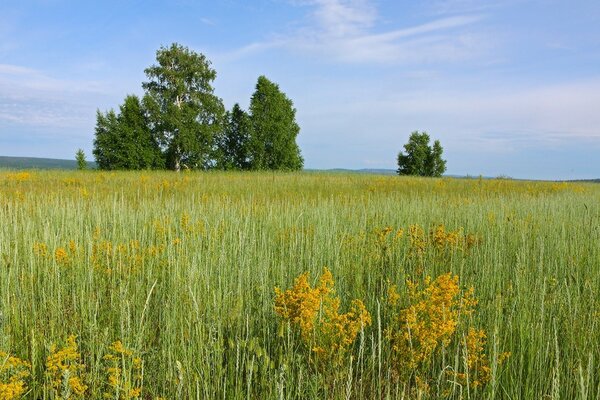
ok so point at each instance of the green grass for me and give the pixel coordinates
(188, 281)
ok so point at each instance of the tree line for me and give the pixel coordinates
(180, 123)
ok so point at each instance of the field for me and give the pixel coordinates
(160, 285)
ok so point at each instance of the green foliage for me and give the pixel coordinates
(275, 129)
(185, 115)
(234, 142)
(421, 159)
(80, 158)
(124, 140)
(181, 123)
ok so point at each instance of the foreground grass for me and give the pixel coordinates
(180, 270)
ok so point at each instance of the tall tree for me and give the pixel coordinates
(106, 142)
(124, 140)
(234, 142)
(421, 159)
(274, 129)
(185, 114)
(436, 166)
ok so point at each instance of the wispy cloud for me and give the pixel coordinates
(345, 30)
(503, 119)
(208, 21)
(31, 98)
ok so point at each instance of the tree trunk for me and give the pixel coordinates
(177, 160)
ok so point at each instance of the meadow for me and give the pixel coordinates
(156, 285)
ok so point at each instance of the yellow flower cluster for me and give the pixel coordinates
(61, 256)
(477, 363)
(19, 176)
(13, 375)
(443, 239)
(126, 257)
(124, 372)
(40, 249)
(315, 311)
(428, 323)
(439, 239)
(65, 372)
(418, 243)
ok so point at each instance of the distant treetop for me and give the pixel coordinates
(421, 159)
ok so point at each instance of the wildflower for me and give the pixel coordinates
(61, 256)
(417, 240)
(429, 321)
(40, 249)
(13, 375)
(124, 373)
(316, 313)
(65, 372)
(476, 359)
(19, 176)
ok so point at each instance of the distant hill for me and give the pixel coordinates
(39, 163)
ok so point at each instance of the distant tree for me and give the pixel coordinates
(124, 140)
(421, 159)
(436, 166)
(106, 142)
(80, 158)
(184, 113)
(234, 142)
(274, 129)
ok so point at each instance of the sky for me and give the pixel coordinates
(510, 88)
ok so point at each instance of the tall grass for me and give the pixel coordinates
(181, 270)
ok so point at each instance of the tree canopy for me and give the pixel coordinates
(181, 124)
(124, 140)
(275, 129)
(419, 158)
(234, 142)
(185, 115)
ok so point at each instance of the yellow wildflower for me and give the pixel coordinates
(64, 370)
(61, 256)
(315, 312)
(13, 375)
(427, 323)
(124, 371)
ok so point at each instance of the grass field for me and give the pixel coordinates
(157, 285)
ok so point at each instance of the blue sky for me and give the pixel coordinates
(509, 87)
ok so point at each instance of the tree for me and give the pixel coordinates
(124, 140)
(274, 129)
(106, 141)
(80, 158)
(185, 115)
(234, 142)
(421, 159)
(436, 166)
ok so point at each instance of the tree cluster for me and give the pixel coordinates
(180, 123)
(419, 158)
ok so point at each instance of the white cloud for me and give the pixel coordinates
(498, 118)
(345, 30)
(31, 98)
(343, 18)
